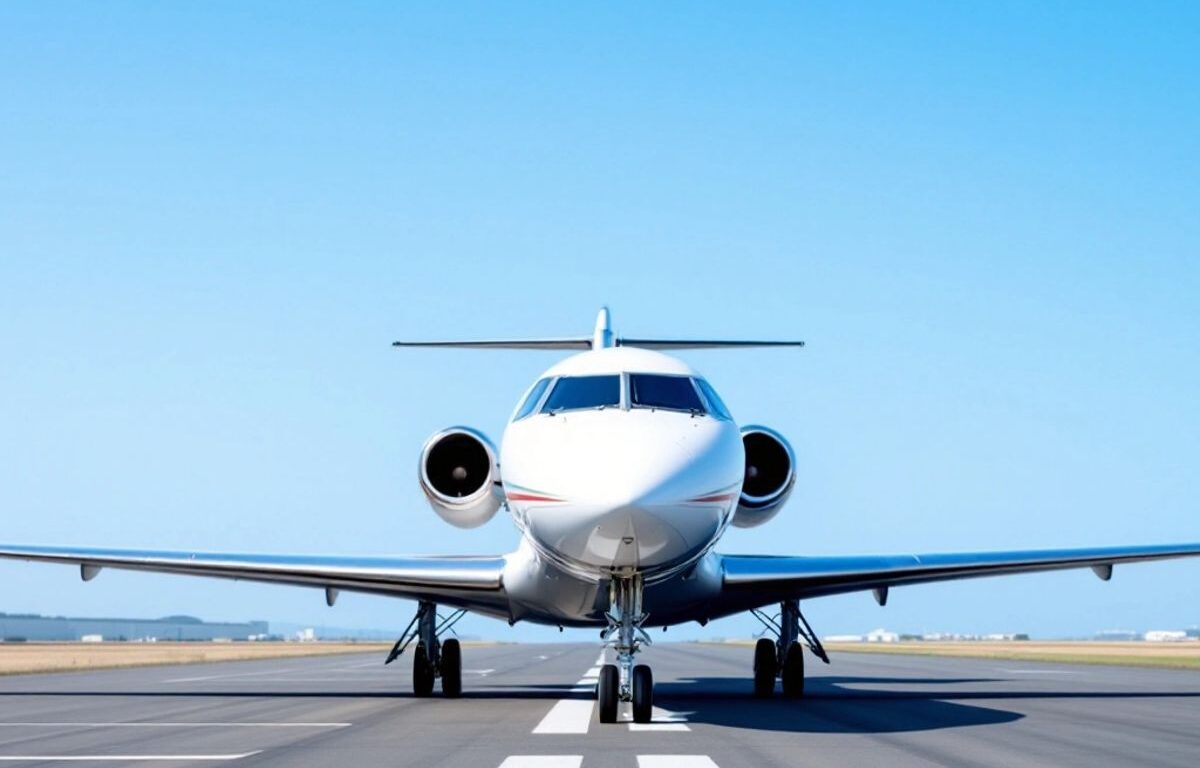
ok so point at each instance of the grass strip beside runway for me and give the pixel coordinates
(25, 658)
(1182, 655)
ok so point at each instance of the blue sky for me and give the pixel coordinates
(214, 217)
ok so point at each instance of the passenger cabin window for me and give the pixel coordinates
(715, 405)
(572, 393)
(532, 399)
(673, 393)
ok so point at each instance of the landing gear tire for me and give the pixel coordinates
(451, 669)
(793, 671)
(643, 694)
(766, 667)
(422, 672)
(608, 692)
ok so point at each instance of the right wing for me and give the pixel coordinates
(750, 581)
(474, 583)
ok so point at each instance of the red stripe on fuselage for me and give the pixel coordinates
(718, 497)
(530, 497)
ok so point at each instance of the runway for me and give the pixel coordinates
(530, 706)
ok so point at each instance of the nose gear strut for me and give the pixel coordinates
(433, 658)
(623, 681)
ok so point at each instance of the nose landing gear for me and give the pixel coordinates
(433, 658)
(623, 682)
(784, 656)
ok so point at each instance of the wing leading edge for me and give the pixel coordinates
(753, 580)
(475, 583)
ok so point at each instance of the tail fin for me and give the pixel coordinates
(602, 338)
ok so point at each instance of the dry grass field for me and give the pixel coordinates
(1182, 655)
(18, 658)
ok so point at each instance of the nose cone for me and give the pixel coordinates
(637, 487)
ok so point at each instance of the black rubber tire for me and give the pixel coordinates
(608, 693)
(451, 669)
(793, 672)
(422, 673)
(643, 694)
(766, 668)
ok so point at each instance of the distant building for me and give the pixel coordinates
(843, 638)
(882, 636)
(1165, 636)
(30, 627)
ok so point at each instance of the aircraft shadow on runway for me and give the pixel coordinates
(864, 705)
(831, 704)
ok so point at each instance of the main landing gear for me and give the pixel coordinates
(624, 682)
(433, 658)
(784, 656)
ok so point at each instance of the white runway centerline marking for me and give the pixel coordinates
(662, 720)
(593, 673)
(542, 761)
(567, 716)
(124, 758)
(675, 761)
(173, 725)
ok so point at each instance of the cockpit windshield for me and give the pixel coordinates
(674, 393)
(579, 392)
(532, 399)
(715, 405)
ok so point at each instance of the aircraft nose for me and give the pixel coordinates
(631, 489)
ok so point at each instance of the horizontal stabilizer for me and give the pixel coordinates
(704, 343)
(602, 337)
(502, 344)
(585, 344)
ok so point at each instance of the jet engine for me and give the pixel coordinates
(460, 476)
(770, 476)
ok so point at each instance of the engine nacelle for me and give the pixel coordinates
(770, 476)
(459, 475)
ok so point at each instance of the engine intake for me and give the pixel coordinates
(458, 473)
(770, 476)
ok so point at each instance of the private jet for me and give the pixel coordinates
(621, 468)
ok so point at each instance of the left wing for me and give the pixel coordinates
(475, 583)
(755, 580)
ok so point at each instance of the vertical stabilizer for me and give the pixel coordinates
(602, 337)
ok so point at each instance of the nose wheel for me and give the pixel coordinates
(608, 692)
(643, 693)
(640, 694)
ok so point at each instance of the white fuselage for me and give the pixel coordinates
(624, 488)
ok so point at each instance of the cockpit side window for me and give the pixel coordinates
(715, 405)
(673, 393)
(579, 392)
(532, 399)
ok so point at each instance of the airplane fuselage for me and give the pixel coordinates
(616, 489)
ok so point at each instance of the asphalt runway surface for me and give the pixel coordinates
(531, 706)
